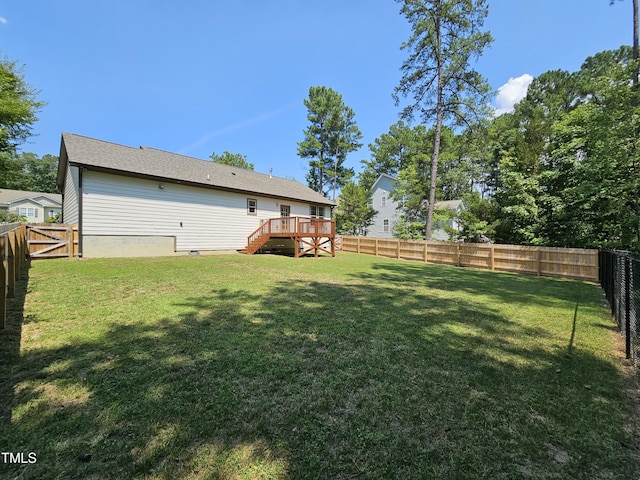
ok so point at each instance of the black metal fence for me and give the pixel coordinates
(620, 279)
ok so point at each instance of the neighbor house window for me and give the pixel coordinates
(316, 211)
(385, 225)
(28, 212)
(383, 202)
(252, 206)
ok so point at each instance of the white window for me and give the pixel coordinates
(252, 206)
(385, 225)
(28, 212)
(316, 211)
(383, 202)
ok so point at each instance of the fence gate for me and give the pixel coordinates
(51, 240)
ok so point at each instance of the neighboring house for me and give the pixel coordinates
(142, 201)
(387, 208)
(389, 211)
(36, 207)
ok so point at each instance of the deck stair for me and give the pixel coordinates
(315, 234)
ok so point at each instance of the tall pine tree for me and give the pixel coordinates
(437, 75)
(331, 135)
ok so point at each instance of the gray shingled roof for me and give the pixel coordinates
(11, 196)
(158, 164)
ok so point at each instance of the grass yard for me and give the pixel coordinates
(356, 367)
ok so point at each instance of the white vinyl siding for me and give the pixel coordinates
(70, 198)
(199, 218)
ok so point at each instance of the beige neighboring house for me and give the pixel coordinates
(36, 207)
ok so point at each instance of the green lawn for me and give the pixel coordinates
(354, 367)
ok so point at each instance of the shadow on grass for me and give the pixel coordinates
(315, 379)
(10, 339)
(503, 287)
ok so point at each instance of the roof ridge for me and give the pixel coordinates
(221, 165)
(99, 140)
(157, 163)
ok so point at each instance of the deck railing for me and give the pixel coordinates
(287, 226)
(291, 227)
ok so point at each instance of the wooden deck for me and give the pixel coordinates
(316, 234)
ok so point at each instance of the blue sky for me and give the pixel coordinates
(196, 77)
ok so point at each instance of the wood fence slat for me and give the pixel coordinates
(11, 263)
(572, 263)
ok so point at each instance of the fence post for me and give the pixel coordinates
(358, 245)
(376, 248)
(492, 260)
(538, 266)
(23, 249)
(457, 254)
(398, 248)
(627, 306)
(11, 263)
(3, 282)
(70, 247)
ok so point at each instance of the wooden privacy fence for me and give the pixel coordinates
(52, 240)
(573, 263)
(13, 253)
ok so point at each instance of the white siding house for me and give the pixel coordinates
(129, 201)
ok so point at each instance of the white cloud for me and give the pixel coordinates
(511, 93)
(3, 20)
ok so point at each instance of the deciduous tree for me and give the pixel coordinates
(354, 214)
(18, 106)
(26, 171)
(232, 159)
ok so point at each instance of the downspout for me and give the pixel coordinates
(80, 242)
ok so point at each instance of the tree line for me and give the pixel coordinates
(562, 169)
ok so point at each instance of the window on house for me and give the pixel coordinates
(383, 202)
(28, 212)
(252, 206)
(385, 225)
(316, 211)
(371, 203)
